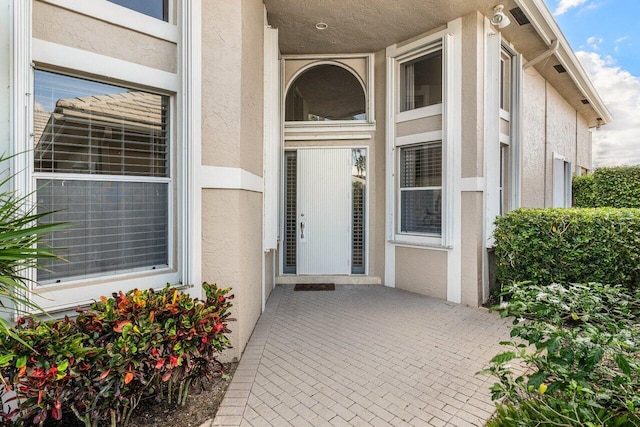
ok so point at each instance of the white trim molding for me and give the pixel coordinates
(221, 177)
(476, 184)
(449, 40)
(331, 137)
(190, 137)
(122, 17)
(81, 63)
(368, 86)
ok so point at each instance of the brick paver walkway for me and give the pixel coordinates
(364, 355)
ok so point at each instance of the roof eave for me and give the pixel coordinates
(546, 26)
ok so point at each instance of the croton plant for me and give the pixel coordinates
(102, 363)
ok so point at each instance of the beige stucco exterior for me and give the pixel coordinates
(230, 138)
(232, 255)
(552, 126)
(423, 271)
(65, 27)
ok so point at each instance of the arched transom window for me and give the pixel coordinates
(325, 92)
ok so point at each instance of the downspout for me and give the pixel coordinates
(544, 55)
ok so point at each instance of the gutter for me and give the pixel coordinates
(547, 28)
(544, 55)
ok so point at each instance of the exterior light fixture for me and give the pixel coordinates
(499, 19)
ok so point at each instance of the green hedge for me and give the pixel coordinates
(617, 187)
(584, 193)
(569, 246)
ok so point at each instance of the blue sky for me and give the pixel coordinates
(605, 34)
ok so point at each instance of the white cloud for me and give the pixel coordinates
(565, 5)
(594, 42)
(617, 143)
(621, 39)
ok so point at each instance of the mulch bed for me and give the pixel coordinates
(202, 405)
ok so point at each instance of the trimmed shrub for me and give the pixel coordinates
(576, 350)
(568, 246)
(616, 187)
(584, 192)
(99, 366)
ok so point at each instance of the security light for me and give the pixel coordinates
(499, 19)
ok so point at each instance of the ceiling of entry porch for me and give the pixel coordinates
(356, 26)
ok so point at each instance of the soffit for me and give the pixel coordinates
(363, 26)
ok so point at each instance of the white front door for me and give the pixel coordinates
(324, 211)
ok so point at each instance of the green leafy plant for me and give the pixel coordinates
(568, 246)
(584, 192)
(135, 344)
(20, 231)
(574, 359)
(616, 187)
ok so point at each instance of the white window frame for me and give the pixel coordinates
(124, 17)
(184, 87)
(368, 88)
(562, 176)
(67, 289)
(496, 141)
(169, 180)
(411, 234)
(450, 109)
(48, 56)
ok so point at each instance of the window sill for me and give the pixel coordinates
(420, 245)
(337, 126)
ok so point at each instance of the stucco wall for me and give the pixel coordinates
(252, 86)
(472, 248)
(232, 136)
(561, 136)
(231, 220)
(427, 124)
(583, 144)
(549, 125)
(472, 95)
(533, 143)
(221, 89)
(472, 203)
(423, 271)
(269, 271)
(72, 29)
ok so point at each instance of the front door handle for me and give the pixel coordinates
(302, 230)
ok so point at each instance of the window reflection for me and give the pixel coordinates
(155, 8)
(325, 93)
(421, 82)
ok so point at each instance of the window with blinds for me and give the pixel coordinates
(290, 212)
(359, 182)
(101, 163)
(421, 189)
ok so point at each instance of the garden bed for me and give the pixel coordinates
(202, 405)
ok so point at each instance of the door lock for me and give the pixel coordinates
(302, 230)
